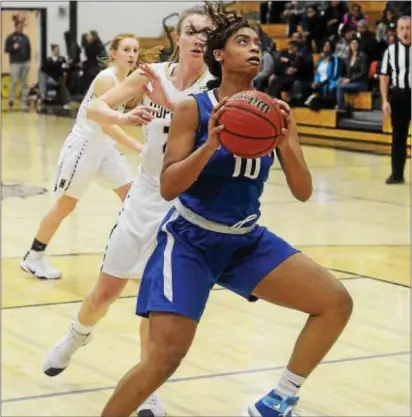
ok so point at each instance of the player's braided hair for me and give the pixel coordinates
(226, 24)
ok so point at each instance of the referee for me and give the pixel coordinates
(395, 72)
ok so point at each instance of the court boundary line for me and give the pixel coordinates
(123, 297)
(205, 376)
(353, 277)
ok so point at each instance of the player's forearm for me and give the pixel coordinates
(100, 112)
(121, 137)
(384, 87)
(298, 176)
(179, 176)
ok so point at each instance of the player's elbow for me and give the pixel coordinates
(166, 189)
(304, 193)
(166, 194)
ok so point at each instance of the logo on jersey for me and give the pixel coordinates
(162, 113)
(253, 101)
(18, 189)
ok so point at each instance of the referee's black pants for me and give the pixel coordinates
(400, 100)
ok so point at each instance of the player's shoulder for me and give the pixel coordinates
(162, 68)
(105, 76)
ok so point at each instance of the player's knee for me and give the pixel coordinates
(168, 357)
(341, 302)
(103, 296)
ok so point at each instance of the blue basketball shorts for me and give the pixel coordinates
(189, 260)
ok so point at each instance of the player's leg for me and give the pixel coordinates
(119, 261)
(75, 171)
(114, 173)
(174, 290)
(292, 280)
(122, 191)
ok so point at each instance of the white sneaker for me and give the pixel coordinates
(39, 268)
(58, 357)
(152, 407)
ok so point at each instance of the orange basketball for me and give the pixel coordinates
(252, 124)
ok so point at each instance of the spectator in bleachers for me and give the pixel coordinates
(401, 8)
(271, 11)
(334, 14)
(95, 52)
(368, 43)
(286, 70)
(75, 70)
(292, 15)
(382, 25)
(342, 46)
(354, 16)
(326, 75)
(355, 73)
(54, 74)
(314, 29)
(300, 38)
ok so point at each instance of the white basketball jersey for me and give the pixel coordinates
(156, 132)
(86, 128)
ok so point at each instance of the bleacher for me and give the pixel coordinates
(322, 128)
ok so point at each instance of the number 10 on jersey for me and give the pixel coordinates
(249, 168)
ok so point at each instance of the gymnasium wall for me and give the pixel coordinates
(144, 18)
(56, 23)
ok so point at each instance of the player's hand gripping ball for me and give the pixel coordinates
(253, 124)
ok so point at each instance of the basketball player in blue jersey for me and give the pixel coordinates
(212, 236)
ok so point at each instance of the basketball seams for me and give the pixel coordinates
(234, 106)
(254, 156)
(258, 105)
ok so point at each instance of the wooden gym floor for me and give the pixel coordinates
(354, 225)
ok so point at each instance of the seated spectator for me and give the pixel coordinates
(342, 46)
(271, 11)
(382, 25)
(354, 16)
(95, 52)
(300, 38)
(355, 74)
(401, 8)
(368, 43)
(301, 87)
(326, 75)
(334, 15)
(54, 74)
(293, 14)
(314, 29)
(286, 71)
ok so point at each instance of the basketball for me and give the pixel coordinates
(252, 124)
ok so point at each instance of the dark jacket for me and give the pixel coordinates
(358, 72)
(23, 53)
(53, 68)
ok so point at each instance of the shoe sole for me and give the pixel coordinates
(29, 271)
(53, 371)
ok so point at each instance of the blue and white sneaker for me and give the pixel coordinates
(273, 405)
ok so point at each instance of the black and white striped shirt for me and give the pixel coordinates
(396, 64)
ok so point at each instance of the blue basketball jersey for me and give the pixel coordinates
(228, 189)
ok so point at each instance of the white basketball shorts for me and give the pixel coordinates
(82, 161)
(133, 237)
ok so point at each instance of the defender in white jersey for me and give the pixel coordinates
(89, 154)
(133, 236)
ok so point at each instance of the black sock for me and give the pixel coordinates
(38, 246)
